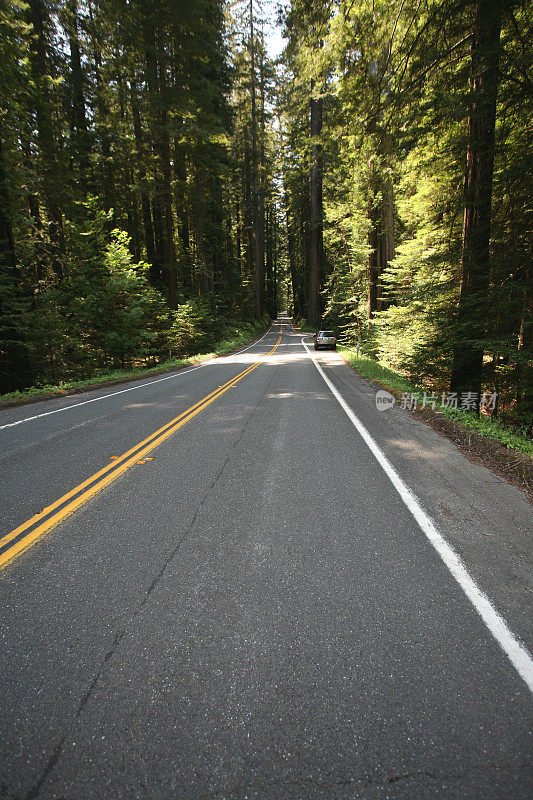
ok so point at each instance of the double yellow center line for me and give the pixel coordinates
(40, 524)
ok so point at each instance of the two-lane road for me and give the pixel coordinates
(253, 613)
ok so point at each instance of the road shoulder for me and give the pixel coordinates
(484, 518)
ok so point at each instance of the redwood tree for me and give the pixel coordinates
(316, 231)
(484, 76)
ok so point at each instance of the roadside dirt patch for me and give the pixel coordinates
(515, 467)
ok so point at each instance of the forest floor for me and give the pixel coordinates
(243, 334)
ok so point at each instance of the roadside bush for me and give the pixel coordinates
(195, 328)
(133, 314)
(104, 315)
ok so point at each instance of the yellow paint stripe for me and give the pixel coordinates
(116, 461)
(118, 467)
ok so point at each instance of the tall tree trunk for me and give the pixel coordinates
(15, 371)
(180, 200)
(302, 256)
(524, 380)
(296, 298)
(153, 97)
(80, 132)
(387, 248)
(163, 220)
(182, 209)
(157, 274)
(108, 168)
(316, 222)
(51, 183)
(258, 261)
(141, 171)
(291, 252)
(274, 261)
(247, 216)
(373, 260)
(468, 353)
(268, 261)
(167, 190)
(238, 235)
(261, 198)
(381, 229)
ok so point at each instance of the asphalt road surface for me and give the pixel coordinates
(257, 612)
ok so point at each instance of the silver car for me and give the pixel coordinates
(325, 339)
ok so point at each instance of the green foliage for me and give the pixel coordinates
(125, 184)
(371, 369)
(414, 332)
(235, 335)
(485, 425)
(395, 80)
(195, 327)
(511, 437)
(132, 314)
(105, 315)
(127, 189)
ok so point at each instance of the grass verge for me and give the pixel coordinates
(238, 336)
(484, 426)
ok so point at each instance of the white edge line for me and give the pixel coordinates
(176, 374)
(516, 652)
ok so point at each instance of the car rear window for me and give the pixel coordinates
(327, 333)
